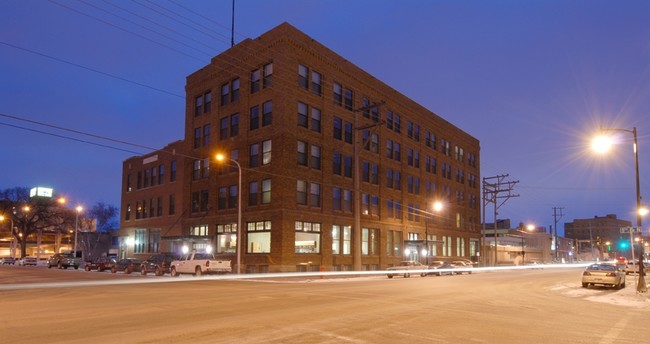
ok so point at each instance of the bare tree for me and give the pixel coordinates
(105, 215)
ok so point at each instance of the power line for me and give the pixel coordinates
(91, 69)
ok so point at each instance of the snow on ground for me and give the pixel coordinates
(627, 297)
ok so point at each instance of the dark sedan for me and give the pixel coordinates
(158, 263)
(101, 264)
(128, 265)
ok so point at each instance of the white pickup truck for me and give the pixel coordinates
(199, 264)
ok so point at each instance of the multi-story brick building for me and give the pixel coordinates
(595, 233)
(151, 205)
(337, 169)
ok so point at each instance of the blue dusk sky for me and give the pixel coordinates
(532, 80)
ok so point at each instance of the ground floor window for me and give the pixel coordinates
(140, 241)
(341, 239)
(226, 238)
(259, 237)
(433, 247)
(308, 236)
(200, 230)
(393, 243)
(369, 241)
(460, 247)
(446, 246)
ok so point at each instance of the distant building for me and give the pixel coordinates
(152, 202)
(296, 117)
(602, 235)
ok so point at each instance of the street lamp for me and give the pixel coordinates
(221, 158)
(79, 209)
(602, 144)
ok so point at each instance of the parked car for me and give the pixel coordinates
(604, 274)
(64, 260)
(633, 267)
(158, 263)
(128, 265)
(462, 266)
(28, 261)
(7, 261)
(407, 265)
(101, 264)
(440, 268)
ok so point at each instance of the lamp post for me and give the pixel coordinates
(602, 144)
(221, 157)
(529, 228)
(79, 209)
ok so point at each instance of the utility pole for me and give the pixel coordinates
(496, 191)
(556, 218)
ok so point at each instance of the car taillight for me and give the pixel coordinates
(586, 273)
(611, 274)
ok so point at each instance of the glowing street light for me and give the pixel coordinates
(601, 144)
(79, 209)
(221, 158)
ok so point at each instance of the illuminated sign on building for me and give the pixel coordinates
(41, 192)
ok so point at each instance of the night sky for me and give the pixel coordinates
(532, 80)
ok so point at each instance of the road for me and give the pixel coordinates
(529, 306)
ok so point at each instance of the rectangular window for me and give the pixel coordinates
(222, 198)
(198, 105)
(369, 241)
(268, 75)
(234, 96)
(227, 238)
(206, 135)
(347, 200)
(347, 239)
(172, 171)
(316, 86)
(314, 195)
(254, 155)
(197, 138)
(302, 153)
(338, 94)
(349, 99)
(172, 205)
(258, 242)
(336, 199)
(225, 94)
(253, 193)
(301, 192)
(196, 201)
(255, 81)
(233, 195)
(266, 152)
(127, 215)
(223, 128)
(347, 166)
(315, 157)
(204, 200)
(196, 169)
(303, 76)
(266, 191)
(302, 114)
(336, 163)
(307, 237)
(254, 117)
(315, 119)
(234, 125)
(336, 239)
(208, 101)
(267, 113)
(338, 128)
(348, 132)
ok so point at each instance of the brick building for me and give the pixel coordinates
(596, 232)
(151, 204)
(297, 117)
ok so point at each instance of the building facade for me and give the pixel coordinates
(600, 236)
(334, 169)
(151, 204)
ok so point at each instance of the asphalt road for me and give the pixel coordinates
(531, 306)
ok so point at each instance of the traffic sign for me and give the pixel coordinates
(628, 230)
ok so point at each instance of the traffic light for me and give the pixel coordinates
(623, 245)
